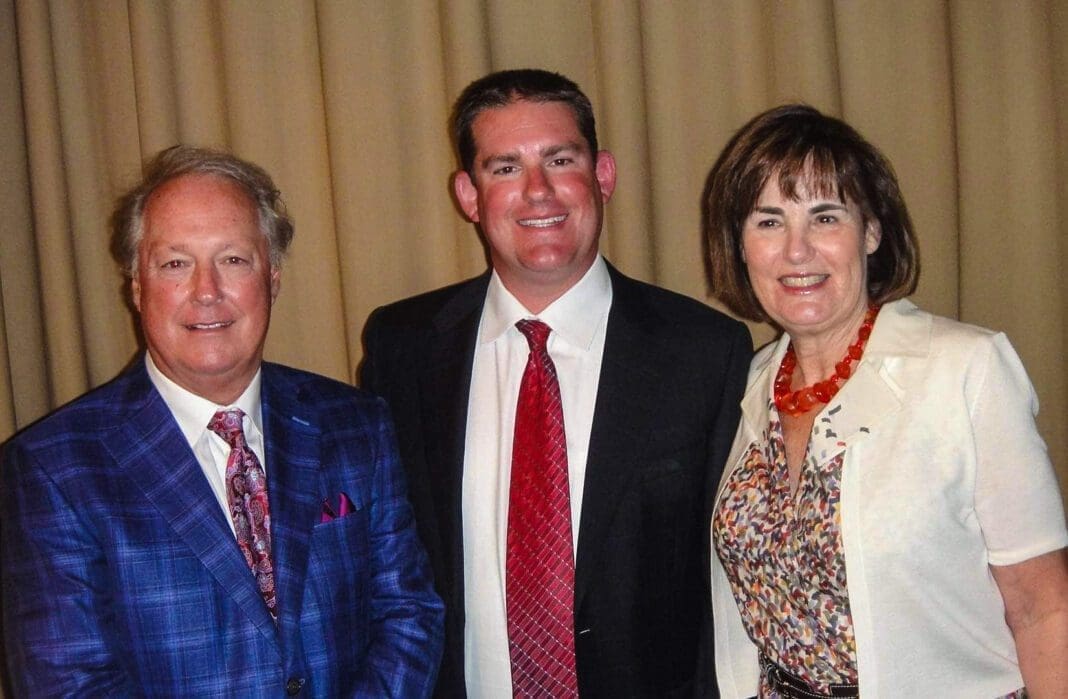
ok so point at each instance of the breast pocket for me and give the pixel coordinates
(338, 579)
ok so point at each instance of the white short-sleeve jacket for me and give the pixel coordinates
(944, 474)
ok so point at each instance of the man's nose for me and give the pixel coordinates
(207, 286)
(537, 186)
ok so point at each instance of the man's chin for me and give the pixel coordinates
(210, 376)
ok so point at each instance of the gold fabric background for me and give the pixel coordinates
(345, 103)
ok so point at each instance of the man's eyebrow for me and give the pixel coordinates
(556, 149)
(177, 246)
(499, 159)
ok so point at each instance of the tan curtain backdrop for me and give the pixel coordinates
(345, 103)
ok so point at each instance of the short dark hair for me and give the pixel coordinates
(127, 221)
(507, 86)
(796, 143)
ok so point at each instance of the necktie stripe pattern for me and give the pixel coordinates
(246, 496)
(540, 565)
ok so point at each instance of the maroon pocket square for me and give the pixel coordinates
(344, 507)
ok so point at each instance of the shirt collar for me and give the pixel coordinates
(193, 413)
(574, 317)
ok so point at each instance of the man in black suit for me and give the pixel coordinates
(649, 384)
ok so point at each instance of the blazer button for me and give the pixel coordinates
(293, 685)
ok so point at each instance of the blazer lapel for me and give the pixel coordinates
(292, 444)
(148, 446)
(757, 396)
(620, 426)
(872, 394)
(445, 383)
(851, 416)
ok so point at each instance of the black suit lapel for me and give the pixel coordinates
(620, 424)
(445, 386)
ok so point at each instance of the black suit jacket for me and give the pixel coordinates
(667, 407)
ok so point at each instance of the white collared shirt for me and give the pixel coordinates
(578, 320)
(193, 413)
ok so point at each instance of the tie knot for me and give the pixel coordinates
(537, 333)
(227, 424)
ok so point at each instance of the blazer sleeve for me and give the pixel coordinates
(1016, 495)
(57, 607)
(407, 616)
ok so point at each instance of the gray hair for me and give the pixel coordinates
(127, 221)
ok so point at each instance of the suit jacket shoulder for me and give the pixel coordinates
(674, 313)
(87, 416)
(326, 398)
(431, 309)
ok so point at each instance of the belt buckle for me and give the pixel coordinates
(784, 683)
(775, 677)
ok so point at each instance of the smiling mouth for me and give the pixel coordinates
(542, 222)
(210, 326)
(801, 282)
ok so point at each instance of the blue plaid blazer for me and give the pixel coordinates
(121, 576)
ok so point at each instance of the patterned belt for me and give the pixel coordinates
(790, 686)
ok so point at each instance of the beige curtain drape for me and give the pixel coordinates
(345, 103)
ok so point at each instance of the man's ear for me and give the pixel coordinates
(276, 282)
(466, 194)
(605, 170)
(135, 293)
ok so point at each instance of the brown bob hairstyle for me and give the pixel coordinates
(798, 144)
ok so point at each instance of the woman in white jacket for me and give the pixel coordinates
(888, 523)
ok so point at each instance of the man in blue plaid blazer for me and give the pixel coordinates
(121, 572)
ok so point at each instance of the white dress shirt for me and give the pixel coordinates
(193, 413)
(578, 320)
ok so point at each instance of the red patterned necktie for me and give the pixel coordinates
(246, 497)
(540, 582)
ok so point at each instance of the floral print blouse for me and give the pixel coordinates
(783, 555)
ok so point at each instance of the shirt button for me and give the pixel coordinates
(293, 685)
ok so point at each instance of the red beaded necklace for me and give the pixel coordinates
(803, 399)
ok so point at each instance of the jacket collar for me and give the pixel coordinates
(901, 331)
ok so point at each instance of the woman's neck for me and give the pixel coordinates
(818, 354)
